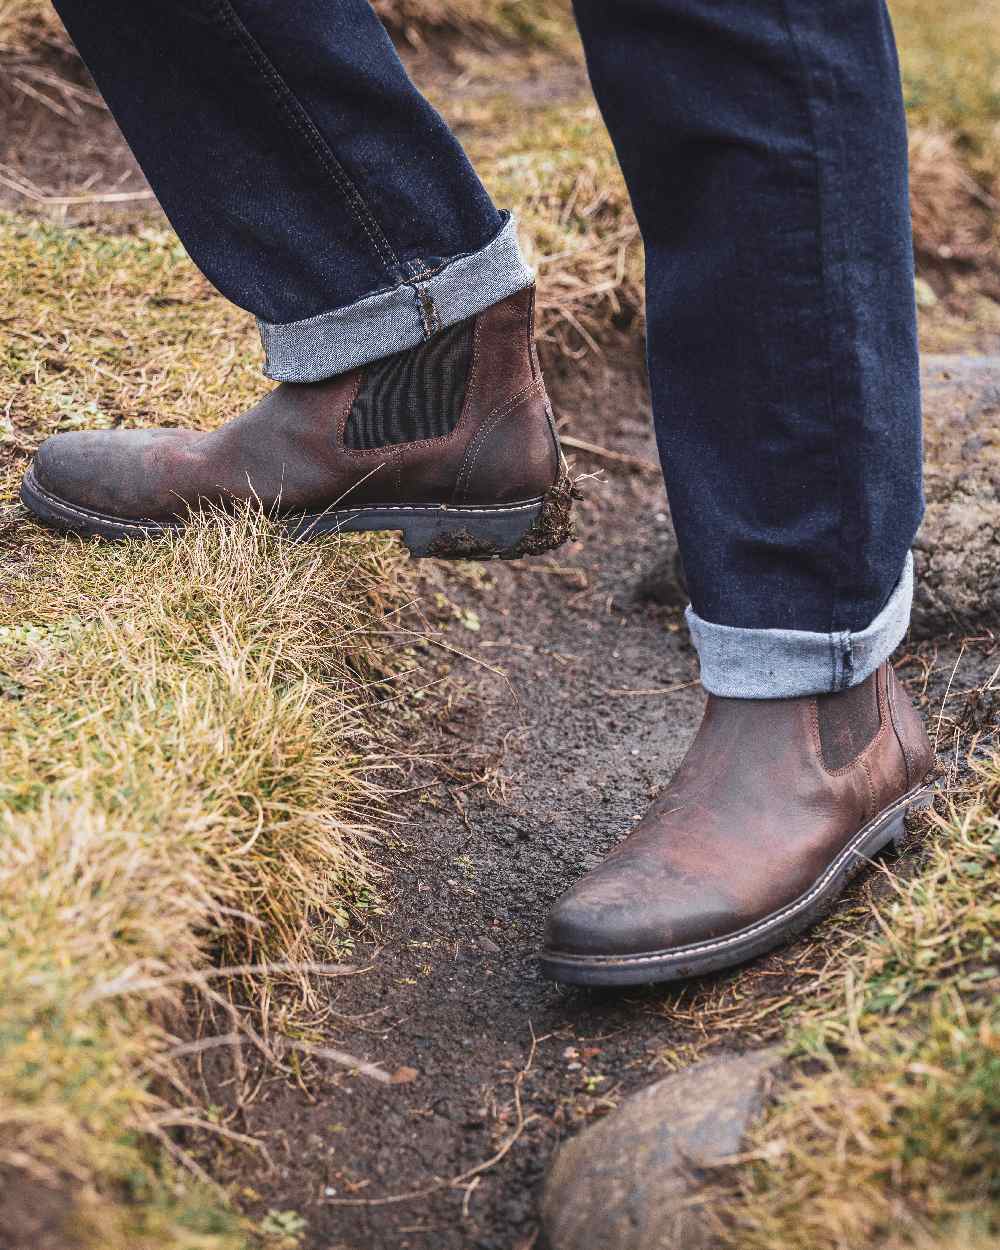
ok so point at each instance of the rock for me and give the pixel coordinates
(626, 1183)
(957, 551)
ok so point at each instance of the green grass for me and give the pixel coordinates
(888, 1135)
(191, 753)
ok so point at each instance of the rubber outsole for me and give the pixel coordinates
(498, 532)
(683, 962)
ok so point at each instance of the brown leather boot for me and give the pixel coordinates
(451, 443)
(777, 803)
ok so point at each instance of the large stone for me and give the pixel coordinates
(957, 551)
(627, 1182)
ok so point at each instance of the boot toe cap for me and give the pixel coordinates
(102, 471)
(64, 463)
(611, 916)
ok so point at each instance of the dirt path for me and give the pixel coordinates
(507, 1063)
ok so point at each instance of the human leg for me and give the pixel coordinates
(764, 145)
(316, 188)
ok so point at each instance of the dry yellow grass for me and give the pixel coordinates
(190, 760)
(189, 769)
(557, 171)
(186, 742)
(25, 24)
(539, 21)
(112, 330)
(553, 165)
(950, 57)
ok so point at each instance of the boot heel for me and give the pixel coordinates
(920, 804)
(465, 534)
(897, 832)
(500, 533)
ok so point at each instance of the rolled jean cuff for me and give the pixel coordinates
(788, 663)
(402, 316)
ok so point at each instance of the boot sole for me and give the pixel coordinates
(489, 532)
(681, 962)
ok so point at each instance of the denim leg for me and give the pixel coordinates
(764, 144)
(303, 171)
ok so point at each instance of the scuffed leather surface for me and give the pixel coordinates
(288, 451)
(749, 822)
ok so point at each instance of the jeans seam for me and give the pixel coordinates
(821, 224)
(429, 317)
(303, 123)
(420, 276)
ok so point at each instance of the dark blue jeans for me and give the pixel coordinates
(764, 146)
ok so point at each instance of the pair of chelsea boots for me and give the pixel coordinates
(777, 802)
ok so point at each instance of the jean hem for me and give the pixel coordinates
(398, 318)
(791, 663)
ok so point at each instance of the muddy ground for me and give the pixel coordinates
(577, 703)
(597, 702)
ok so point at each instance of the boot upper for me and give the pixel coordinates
(298, 450)
(770, 792)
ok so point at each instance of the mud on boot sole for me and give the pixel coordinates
(475, 532)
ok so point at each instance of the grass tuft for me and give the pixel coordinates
(889, 1136)
(560, 175)
(191, 756)
(188, 771)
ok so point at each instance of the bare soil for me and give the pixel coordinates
(61, 153)
(595, 707)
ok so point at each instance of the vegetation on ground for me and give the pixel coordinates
(24, 24)
(112, 330)
(558, 173)
(887, 1136)
(191, 754)
(553, 165)
(191, 751)
(950, 60)
(545, 22)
